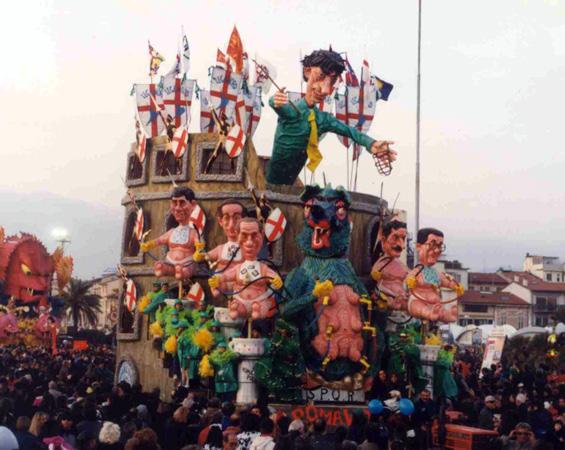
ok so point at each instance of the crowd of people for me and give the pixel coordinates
(69, 402)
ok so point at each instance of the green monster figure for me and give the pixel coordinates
(405, 357)
(300, 126)
(325, 299)
(281, 367)
(225, 380)
(444, 383)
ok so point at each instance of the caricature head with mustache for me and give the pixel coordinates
(393, 238)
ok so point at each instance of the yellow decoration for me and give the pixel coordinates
(214, 282)
(171, 345)
(366, 301)
(277, 282)
(205, 369)
(199, 255)
(552, 339)
(203, 339)
(410, 282)
(459, 290)
(432, 339)
(323, 289)
(376, 275)
(146, 246)
(155, 329)
(314, 155)
(143, 303)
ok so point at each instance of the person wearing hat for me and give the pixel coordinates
(225, 380)
(486, 416)
(184, 344)
(216, 330)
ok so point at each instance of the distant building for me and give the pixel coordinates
(548, 268)
(108, 288)
(493, 308)
(458, 272)
(545, 298)
(486, 282)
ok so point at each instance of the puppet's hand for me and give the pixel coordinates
(382, 150)
(280, 98)
(146, 246)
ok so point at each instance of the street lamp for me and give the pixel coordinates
(61, 236)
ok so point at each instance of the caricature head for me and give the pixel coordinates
(182, 204)
(393, 238)
(429, 246)
(250, 237)
(321, 69)
(229, 214)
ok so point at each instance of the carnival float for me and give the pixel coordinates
(243, 281)
(30, 313)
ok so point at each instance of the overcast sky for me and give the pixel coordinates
(493, 159)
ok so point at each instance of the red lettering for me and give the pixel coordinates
(297, 413)
(338, 418)
(311, 413)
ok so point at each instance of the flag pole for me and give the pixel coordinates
(417, 212)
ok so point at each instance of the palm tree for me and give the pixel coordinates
(82, 305)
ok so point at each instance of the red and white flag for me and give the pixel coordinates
(196, 293)
(149, 103)
(264, 70)
(141, 148)
(240, 114)
(224, 89)
(235, 51)
(207, 123)
(139, 224)
(253, 105)
(180, 142)
(275, 225)
(235, 141)
(177, 98)
(198, 219)
(131, 295)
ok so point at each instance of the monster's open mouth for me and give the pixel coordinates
(321, 237)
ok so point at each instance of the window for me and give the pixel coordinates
(545, 304)
(475, 308)
(520, 321)
(542, 321)
(165, 167)
(456, 276)
(130, 244)
(165, 163)
(128, 321)
(502, 319)
(136, 171)
(223, 165)
(222, 169)
(548, 277)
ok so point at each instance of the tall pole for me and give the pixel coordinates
(417, 215)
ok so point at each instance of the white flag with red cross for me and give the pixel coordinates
(235, 140)
(240, 113)
(198, 219)
(264, 70)
(141, 148)
(131, 295)
(275, 225)
(149, 104)
(139, 224)
(196, 293)
(253, 105)
(207, 123)
(224, 88)
(180, 142)
(177, 98)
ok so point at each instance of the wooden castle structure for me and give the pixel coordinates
(150, 184)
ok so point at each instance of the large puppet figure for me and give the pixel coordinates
(229, 214)
(252, 281)
(300, 125)
(389, 271)
(424, 282)
(181, 241)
